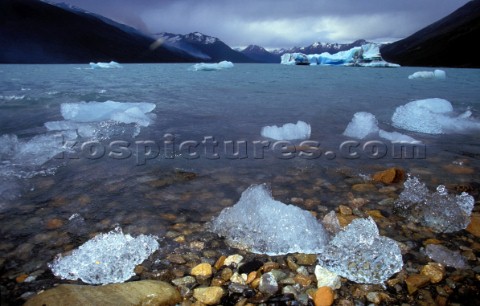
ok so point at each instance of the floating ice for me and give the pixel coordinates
(360, 254)
(102, 65)
(439, 210)
(212, 67)
(443, 255)
(289, 131)
(436, 74)
(433, 116)
(107, 258)
(294, 59)
(397, 137)
(262, 225)
(100, 119)
(362, 125)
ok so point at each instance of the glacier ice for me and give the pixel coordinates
(100, 119)
(365, 124)
(446, 257)
(367, 55)
(360, 254)
(263, 225)
(106, 258)
(212, 66)
(104, 65)
(433, 116)
(436, 74)
(439, 210)
(289, 131)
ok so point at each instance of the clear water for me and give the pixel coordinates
(232, 104)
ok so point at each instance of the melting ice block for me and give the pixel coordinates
(103, 65)
(360, 254)
(433, 116)
(289, 131)
(365, 124)
(436, 74)
(439, 210)
(262, 225)
(105, 259)
(212, 67)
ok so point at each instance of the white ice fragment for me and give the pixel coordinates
(212, 67)
(360, 254)
(439, 210)
(436, 74)
(107, 258)
(397, 137)
(104, 65)
(433, 116)
(289, 131)
(262, 225)
(446, 257)
(296, 59)
(362, 125)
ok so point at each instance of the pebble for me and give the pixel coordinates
(303, 280)
(239, 279)
(208, 295)
(176, 259)
(364, 188)
(269, 266)
(323, 296)
(325, 278)
(220, 262)
(233, 259)
(474, 226)
(184, 281)
(54, 224)
(415, 282)
(226, 274)
(434, 271)
(202, 270)
(345, 210)
(268, 284)
(390, 176)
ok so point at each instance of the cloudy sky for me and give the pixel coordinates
(277, 23)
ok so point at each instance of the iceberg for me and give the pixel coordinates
(360, 254)
(367, 55)
(433, 116)
(213, 66)
(103, 65)
(289, 131)
(436, 74)
(106, 258)
(260, 224)
(365, 124)
(443, 212)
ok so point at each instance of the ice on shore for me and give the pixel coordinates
(289, 131)
(443, 212)
(360, 254)
(212, 66)
(105, 259)
(260, 224)
(101, 119)
(365, 124)
(433, 116)
(436, 74)
(104, 65)
(446, 257)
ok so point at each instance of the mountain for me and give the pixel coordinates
(38, 32)
(206, 47)
(319, 47)
(260, 55)
(449, 42)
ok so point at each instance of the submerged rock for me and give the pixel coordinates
(360, 254)
(107, 258)
(439, 210)
(443, 255)
(262, 225)
(146, 292)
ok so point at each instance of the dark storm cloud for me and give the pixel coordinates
(280, 22)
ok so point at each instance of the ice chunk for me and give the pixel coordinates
(362, 125)
(439, 210)
(436, 74)
(107, 258)
(213, 66)
(103, 65)
(433, 116)
(397, 137)
(443, 255)
(262, 225)
(289, 131)
(360, 254)
(295, 59)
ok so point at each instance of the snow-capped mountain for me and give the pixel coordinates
(208, 48)
(319, 47)
(260, 54)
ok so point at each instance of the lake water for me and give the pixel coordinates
(149, 193)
